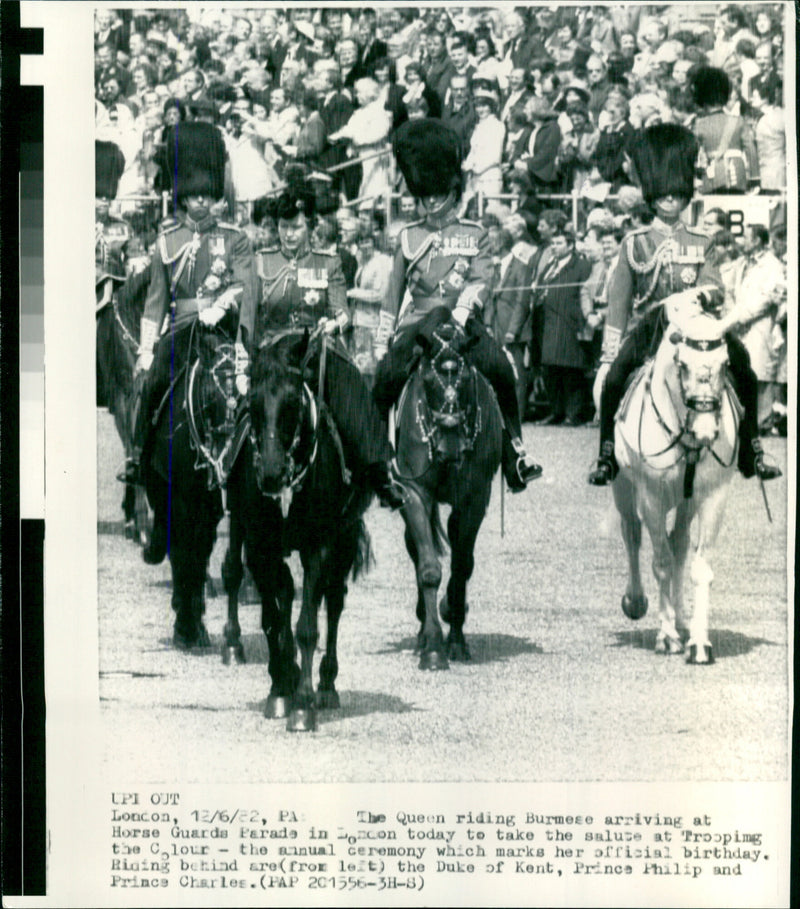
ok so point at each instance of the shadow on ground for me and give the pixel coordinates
(485, 648)
(724, 642)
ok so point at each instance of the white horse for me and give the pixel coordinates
(676, 443)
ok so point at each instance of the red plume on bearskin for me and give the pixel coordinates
(109, 163)
(429, 157)
(665, 156)
(193, 160)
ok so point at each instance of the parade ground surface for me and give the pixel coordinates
(561, 687)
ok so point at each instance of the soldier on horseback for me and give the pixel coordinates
(655, 262)
(442, 268)
(202, 269)
(301, 288)
(111, 234)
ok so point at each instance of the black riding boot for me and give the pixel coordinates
(751, 454)
(519, 468)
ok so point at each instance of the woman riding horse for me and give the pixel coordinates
(303, 288)
(444, 263)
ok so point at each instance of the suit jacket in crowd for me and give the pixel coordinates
(562, 318)
(508, 312)
(542, 151)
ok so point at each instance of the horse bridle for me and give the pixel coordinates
(693, 403)
(295, 474)
(450, 417)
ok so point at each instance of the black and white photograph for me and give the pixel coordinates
(426, 526)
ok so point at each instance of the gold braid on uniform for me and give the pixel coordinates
(661, 256)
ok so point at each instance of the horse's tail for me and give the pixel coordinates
(437, 531)
(365, 558)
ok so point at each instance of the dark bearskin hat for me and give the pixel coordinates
(429, 156)
(664, 156)
(193, 160)
(109, 163)
(710, 86)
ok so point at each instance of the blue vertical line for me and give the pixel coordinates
(173, 304)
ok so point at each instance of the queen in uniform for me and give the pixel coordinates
(665, 258)
(443, 266)
(300, 287)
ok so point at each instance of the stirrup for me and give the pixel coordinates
(130, 475)
(766, 471)
(522, 472)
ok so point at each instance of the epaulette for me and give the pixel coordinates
(227, 226)
(471, 223)
(267, 249)
(170, 224)
(324, 252)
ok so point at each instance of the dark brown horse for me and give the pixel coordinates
(183, 468)
(117, 348)
(290, 490)
(448, 450)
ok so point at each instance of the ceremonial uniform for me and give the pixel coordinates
(195, 266)
(200, 270)
(298, 291)
(111, 234)
(654, 263)
(443, 266)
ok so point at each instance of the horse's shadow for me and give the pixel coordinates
(484, 648)
(725, 643)
(355, 704)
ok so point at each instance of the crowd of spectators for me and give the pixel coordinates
(544, 99)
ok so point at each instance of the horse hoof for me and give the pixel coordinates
(667, 645)
(182, 641)
(202, 640)
(302, 720)
(700, 656)
(233, 653)
(634, 607)
(328, 700)
(277, 707)
(459, 653)
(130, 530)
(433, 660)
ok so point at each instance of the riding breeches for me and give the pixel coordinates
(485, 355)
(642, 343)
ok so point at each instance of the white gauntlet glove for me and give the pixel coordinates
(383, 334)
(241, 366)
(148, 334)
